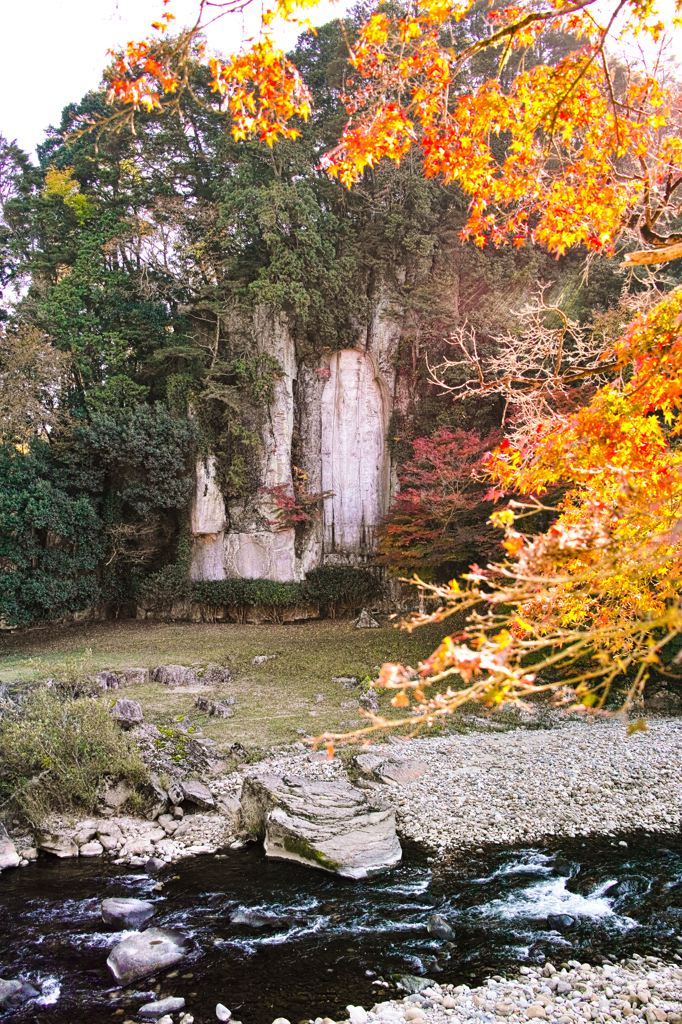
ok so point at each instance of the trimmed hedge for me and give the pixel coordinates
(338, 590)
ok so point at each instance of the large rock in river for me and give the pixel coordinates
(126, 912)
(145, 953)
(328, 825)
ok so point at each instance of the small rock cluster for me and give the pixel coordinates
(194, 823)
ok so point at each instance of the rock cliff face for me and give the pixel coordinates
(335, 411)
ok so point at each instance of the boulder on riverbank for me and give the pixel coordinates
(58, 845)
(145, 953)
(9, 858)
(329, 825)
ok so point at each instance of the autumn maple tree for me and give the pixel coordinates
(579, 146)
(440, 515)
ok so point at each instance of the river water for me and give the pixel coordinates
(322, 941)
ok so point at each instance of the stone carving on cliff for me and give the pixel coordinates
(355, 464)
(208, 521)
(342, 412)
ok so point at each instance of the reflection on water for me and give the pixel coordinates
(308, 943)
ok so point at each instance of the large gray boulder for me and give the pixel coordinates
(175, 675)
(116, 794)
(126, 912)
(145, 953)
(58, 845)
(107, 680)
(154, 798)
(215, 675)
(197, 793)
(9, 858)
(126, 712)
(329, 825)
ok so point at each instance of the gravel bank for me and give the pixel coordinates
(643, 988)
(579, 778)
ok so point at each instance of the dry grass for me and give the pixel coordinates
(275, 701)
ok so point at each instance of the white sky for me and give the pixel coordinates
(53, 51)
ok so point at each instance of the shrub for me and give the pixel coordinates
(342, 589)
(338, 590)
(68, 747)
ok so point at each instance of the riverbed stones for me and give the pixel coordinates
(126, 912)
(332, 826)
(145, 953)
(439, 928)
(14, 992)
(91, 849)
(57, 845)
(127, 713)
(9, 858)
(152, 1011)
(153, 865)
(392, 770)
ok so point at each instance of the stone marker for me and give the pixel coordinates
(126, 912)
(329, 825)
(145, 953)
(365, 621)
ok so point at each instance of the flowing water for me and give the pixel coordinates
(321, 941)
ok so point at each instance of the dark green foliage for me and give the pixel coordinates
(170, 583)
(337, 590)
(341, 589)
(50, 539)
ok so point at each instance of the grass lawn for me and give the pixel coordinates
(274, 700)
